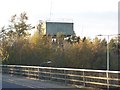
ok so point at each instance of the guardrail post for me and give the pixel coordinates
(38, 74)
(11, 70)
(50, 74)
(83, 78)
(65, 76)
(107, 74)
(28, 73)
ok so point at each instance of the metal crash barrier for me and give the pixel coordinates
(77, 77)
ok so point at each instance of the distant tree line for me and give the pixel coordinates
(18, 47)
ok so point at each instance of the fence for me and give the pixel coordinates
(78, 77)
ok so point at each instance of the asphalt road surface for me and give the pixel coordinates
(11, 85)
(22, 83)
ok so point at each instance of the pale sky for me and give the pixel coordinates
(90, 17)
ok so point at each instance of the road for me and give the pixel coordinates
(11, 85)
(23, 83)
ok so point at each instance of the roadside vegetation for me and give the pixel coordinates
(17, 46)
